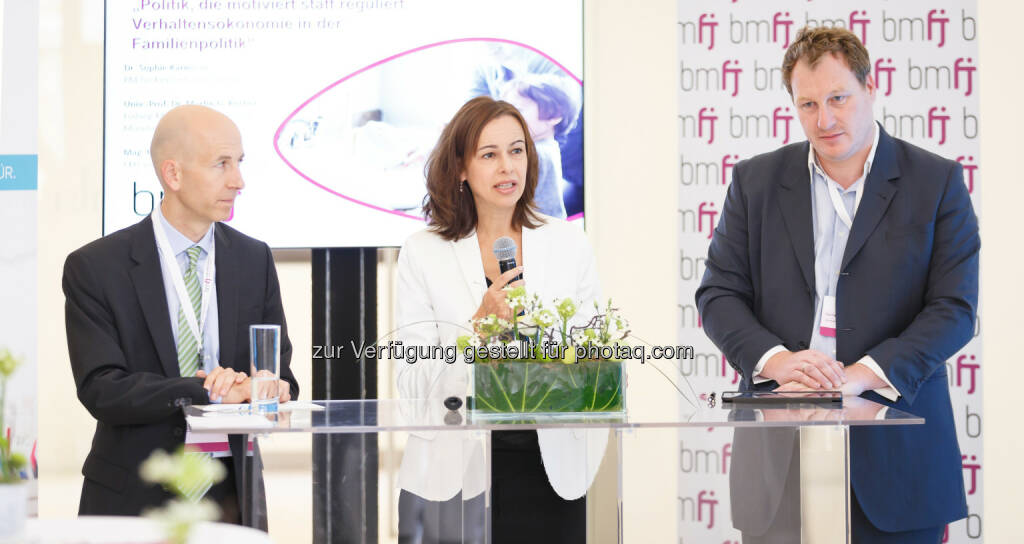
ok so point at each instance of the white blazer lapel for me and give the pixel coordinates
(467, 253)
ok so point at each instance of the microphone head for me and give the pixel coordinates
(505, 249)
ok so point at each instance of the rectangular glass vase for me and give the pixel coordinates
(542, 389)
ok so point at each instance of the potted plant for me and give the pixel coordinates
(540, 363)
(13, 489)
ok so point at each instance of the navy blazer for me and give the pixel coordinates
(907, 296)
(125, 362)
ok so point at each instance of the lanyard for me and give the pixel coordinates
(837, 203)
(169, 264)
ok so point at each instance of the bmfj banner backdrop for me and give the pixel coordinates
(733, 105)
(339, 103)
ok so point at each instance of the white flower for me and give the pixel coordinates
(182, 470)
(159, 468)
(527, 329)
(543, 318)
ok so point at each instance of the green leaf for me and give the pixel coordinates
(17, 461)
(8, 364)
(520, 386)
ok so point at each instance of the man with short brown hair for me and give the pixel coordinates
(850, 262)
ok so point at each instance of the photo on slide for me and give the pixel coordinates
(366, 138)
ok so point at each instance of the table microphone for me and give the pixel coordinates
(505, 251)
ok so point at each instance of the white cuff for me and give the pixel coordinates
(757, 377)
(881, 413)
(888, 392)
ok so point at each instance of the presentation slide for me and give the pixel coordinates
(339, 103)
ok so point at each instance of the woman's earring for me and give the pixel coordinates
(463, 183)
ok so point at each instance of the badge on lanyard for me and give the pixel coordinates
(828, 317)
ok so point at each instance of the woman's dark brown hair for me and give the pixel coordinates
(450, 212)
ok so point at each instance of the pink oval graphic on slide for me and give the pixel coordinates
(368, 142)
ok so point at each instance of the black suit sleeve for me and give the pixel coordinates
(946, 323)
(273, 312)
(113, 394)
(725, 297)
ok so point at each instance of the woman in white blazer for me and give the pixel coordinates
(481, 179)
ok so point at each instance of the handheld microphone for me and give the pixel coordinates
(505, 251)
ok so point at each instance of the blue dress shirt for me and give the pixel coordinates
(179, 244)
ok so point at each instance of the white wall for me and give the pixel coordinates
(630, 58)
(1001, 120)
(632, 194)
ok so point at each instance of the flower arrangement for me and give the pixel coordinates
(10, 463)
(539, 362)
(181, 473)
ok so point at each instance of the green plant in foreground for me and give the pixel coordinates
(11, 463)
(180, 472)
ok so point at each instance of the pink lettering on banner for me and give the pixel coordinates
(969, 367)
(706, 498)
(707, 20)
(969, 170)
(933, 116)
(968, 72)
(728, 161)
(924, 68)
(735, 72)
(887, 71)
(710, 212)
(862, 22)
(778, 21)
(776, 117)
(941, 21)
(973, 467)
(701, 117)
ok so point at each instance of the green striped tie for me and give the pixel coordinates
(188, 344)
(188, 354)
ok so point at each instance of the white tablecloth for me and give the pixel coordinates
(129, 530)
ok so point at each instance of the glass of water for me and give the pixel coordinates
(264, 358)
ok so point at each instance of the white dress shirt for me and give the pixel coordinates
(830, 235)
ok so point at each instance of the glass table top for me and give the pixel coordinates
(370, 416)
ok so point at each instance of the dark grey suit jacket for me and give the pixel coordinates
(125, 361)
(907, 296)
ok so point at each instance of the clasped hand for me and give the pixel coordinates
(804, 370)
(231, 387)
(812, 370)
